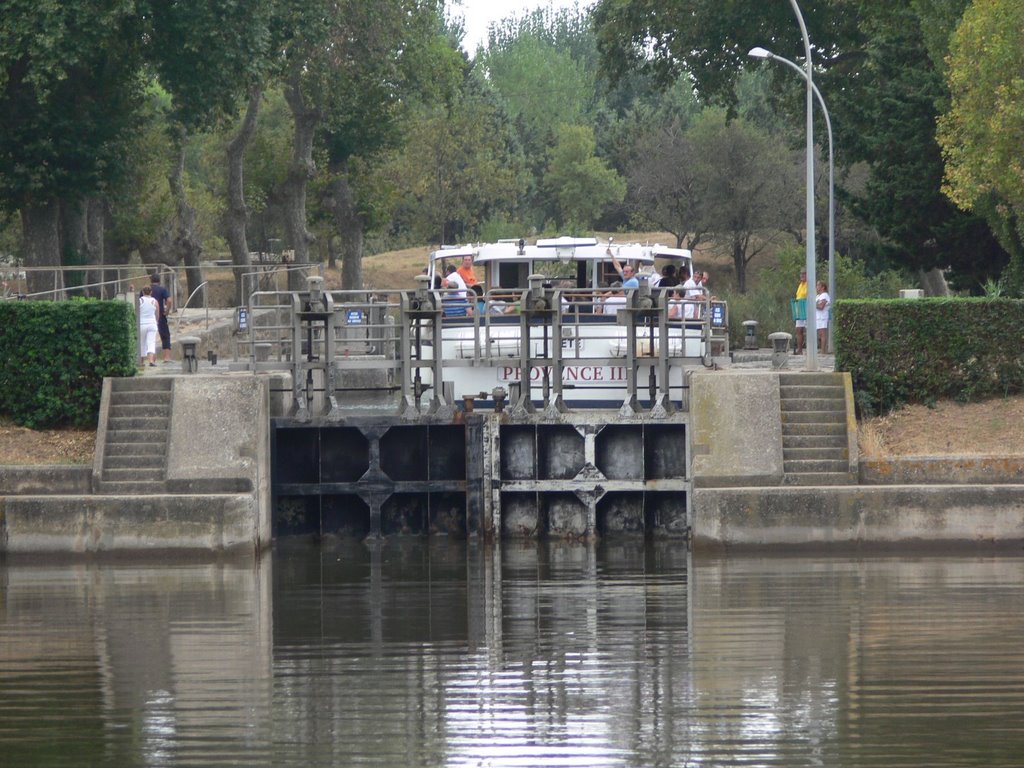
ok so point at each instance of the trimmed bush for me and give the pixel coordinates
(922, 350)
(54, 356)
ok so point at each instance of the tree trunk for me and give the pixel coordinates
(236, 217)
(332, 253)
(74, 238)
(739, 262)
(186, 248)
(349, 223)
(40, 231)
(933, 282)
(95, 237)
(300, 171)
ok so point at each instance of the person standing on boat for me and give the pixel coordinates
(626, 272)
(466, 272)
(692, 293)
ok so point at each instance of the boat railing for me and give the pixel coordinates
(407, 342)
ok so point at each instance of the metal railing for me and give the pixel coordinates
(411, 341)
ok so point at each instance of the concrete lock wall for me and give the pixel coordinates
(736, 429)
(866, 516)
(215, 495)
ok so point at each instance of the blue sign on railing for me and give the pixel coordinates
(354, 317)
(717, 315)
(242, 319)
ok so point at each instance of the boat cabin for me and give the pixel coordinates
(567, 262)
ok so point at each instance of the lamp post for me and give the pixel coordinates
(812, 330)
(761, 53)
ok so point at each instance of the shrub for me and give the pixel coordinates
(918, 351)
(54, 356)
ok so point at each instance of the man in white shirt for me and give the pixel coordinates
(691, 293)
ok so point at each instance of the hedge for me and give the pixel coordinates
(921, 350)
(54, 356)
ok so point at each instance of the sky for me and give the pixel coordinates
(480, 13)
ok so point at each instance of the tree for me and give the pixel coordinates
(751, 186)
(982, 133)
(458, 166)
(69, 88)
(580, 183)
(208, 55)
(877, 71)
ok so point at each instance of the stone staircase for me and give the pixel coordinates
(815, 447)
(137, 433)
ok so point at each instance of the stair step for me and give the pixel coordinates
(136, 449)
(835, 440)
(145, 397)
(812, 429)
(132, 474)
(134, 436)
(121, 410)
(814, 417)
(820, 478)
(802, 466)
(131, 487)
(814, 454)
(133, 462)
(140, 384)
(830, 392)
(130, 423)
(813, 404)
(807, 379)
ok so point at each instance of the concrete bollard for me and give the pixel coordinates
(189, 358)
(750, 334)
(780, 348)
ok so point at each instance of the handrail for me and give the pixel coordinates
(206, 305)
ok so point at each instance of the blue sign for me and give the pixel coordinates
(242, 319)
(717, 315)
(354, 317)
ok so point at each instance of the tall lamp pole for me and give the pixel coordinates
(761, 53)
(812, 327)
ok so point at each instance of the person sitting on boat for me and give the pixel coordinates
(675, 304)
(466, 272)
(626, 272)
(668, 277)
(613, 300)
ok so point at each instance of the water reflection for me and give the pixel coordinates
(551, 654)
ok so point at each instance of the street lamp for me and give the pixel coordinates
(761, 53)
(812, 330)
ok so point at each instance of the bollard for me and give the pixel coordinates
(780, 348)
(189, 360)
(750, 334)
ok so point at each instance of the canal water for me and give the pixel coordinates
(446, 654)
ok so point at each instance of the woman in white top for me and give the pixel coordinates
(822, 314)
(148, 312)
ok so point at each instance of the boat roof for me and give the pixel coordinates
(563, 249)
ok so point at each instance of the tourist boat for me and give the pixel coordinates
(572, 316)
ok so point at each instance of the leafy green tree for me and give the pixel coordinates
(751, 186)
(983, 131)
(457, 168)
(68, 90)
(209, 55)
(876, 69)
(581, 184)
